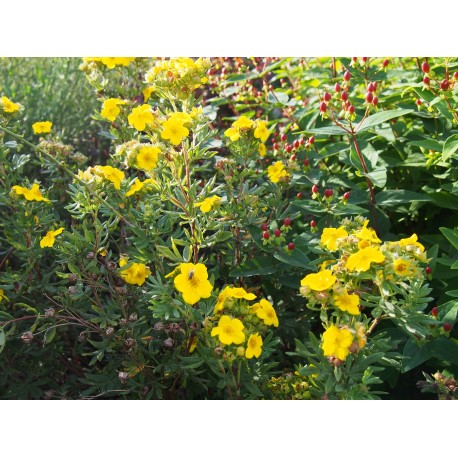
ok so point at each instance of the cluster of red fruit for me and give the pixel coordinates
(277, 232)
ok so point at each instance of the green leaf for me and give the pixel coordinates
(311, 206)
(377, 176)
(428, 144)
(380, 117)
(278, 97)
(445, 350)
(450, 146)
(260, 266)
(328, 130)
(393, 197)
(2, 339)
(297, 258)
(49, 335)
(414, 355)
(453, 293)
(451, 236)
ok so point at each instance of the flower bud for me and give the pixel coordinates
(109, 331)
(123, 376)
(49, 312)
(129, 342)
(240, 351)
(168, 343)
(27, 337)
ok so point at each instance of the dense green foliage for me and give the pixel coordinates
(287, 149)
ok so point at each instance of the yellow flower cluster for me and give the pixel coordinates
(136, 274)
(178, 76)
(357, 262)
(243, 125)
(110, 62)
(276, 172)
(240, 322)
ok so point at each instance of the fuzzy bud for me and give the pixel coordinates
(27, 337)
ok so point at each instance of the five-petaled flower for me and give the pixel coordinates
(337, 342)
(8, 106)
(136, 274)
(110, 108)
(112, 62)
(138, 185)
(140, 117)
(111, 174)
(147, 157)
(229, 293)
(193, 282)
(403, 267)
(33, 193)
(208, 204)
(174, 129)
(254, 346)
(412, 241)
(42, 127)
(265, 311)
(229, 330)
(361, 260)
(239, 127)
(277, 172)
(261, 131)
(320, 281)
(330, 237)
(50, 237)
(347, 302)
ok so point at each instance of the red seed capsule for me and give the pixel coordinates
(434, 311)
(371, 87)
(283, 137)
(337, 87)
(296, 144)
(315, 189)
(386, 62)
(291, 246)
(299, 195)
(328, 192)
(425, 67)
(447, 327)
(418, 102)
(323, 107)
(346, 196)
(444, 85)
(351, 109)
(306, 162)
(264, 226)
(312, 140)
(344, 96)
(347, 76)
(327, 96)
(277, 232)
(288, 148)
(369, 97)
(375, 101)
(426, 80)
(428, 270)
(287, 222)
(313, 223)
(266, 235)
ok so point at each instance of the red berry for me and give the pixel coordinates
(265, 235)
(425, 67)
(444, 85)
(347, 76)
(375, 101)
(323, 107)
(288, 148)
(283, 137)
(315, 189)
(296, 144)
(327, 96)
(299, 195)
(418, 102)
(369, 97)
(276, 147)
(277, 232)
(364, 59)
(302, 141)
(428, 270)
(264, 226)
(344, 96)
(328, 192)
(371, 87)
(455, 75)
(346, 196)
(337, 87)
(287, 222)
(312, 140)
(291, 246)
(313, 223)
(447, 327)
(306, 162)
(426, 80)
(293, 157)
(351, 109)
(386, 62)
(434, 311)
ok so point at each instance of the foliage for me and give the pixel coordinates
(262, 228)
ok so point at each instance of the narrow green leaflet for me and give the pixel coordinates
(451, 236)
(378, 118)
(450, 147)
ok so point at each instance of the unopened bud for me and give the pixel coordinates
(49, 312)
(123, 376)
(27, 337)
(129, 342)
(168, 343)
(109, 331)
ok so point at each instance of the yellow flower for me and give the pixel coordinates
(112, 62)
(111, 174)
(361, 260)
(232, 133)
(50, 237)
(277, 172)
(192, 343)
(243, 123)
(140, 117)
(110, 109)
(43, 127)
(2, 295)
(403, 267)
(320, 281)
(347, 302)
(137, 185)
(30, 194)
(330, 237)
(136, 274)
(147, 157)
(262, 149)
(411, 241)
(147, 92)
(193, 282)
(207, 204)
(261, 131)
(265, 312)
(229, 330)
(337, 342)
(182, 117)
(174, 130)
(367, 235)
(9, 106)
(254, 346)
(229, 293)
